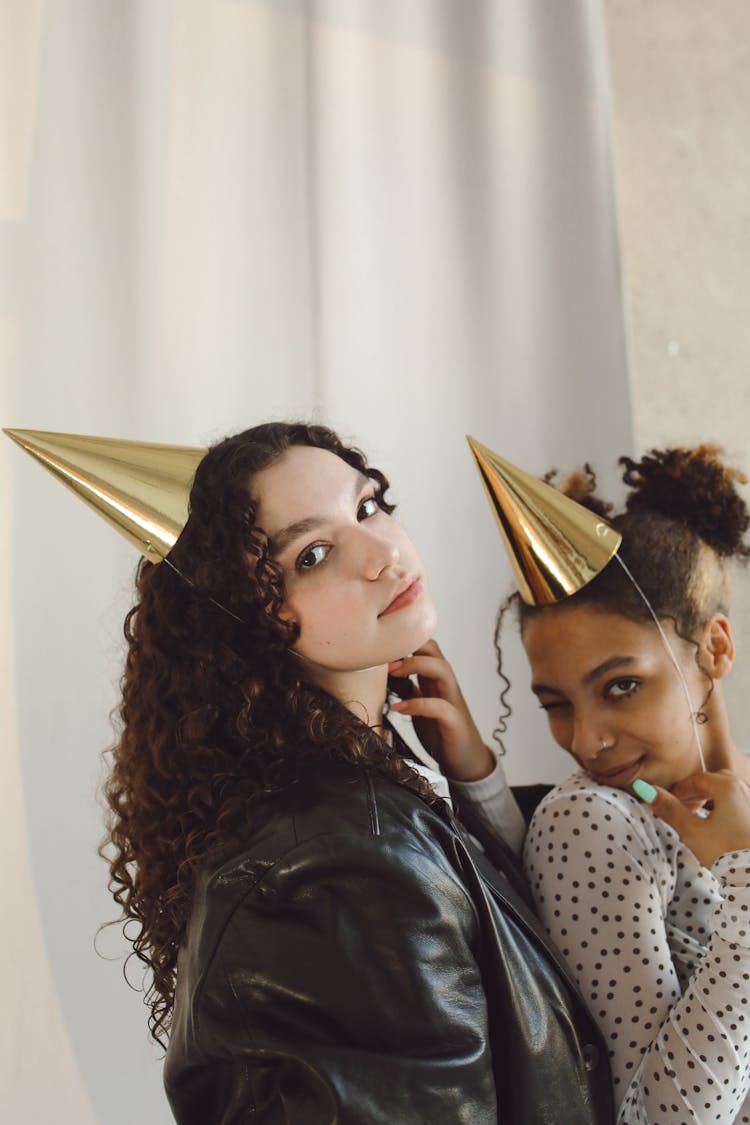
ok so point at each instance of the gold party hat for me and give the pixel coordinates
(140, 488)
(556, 545)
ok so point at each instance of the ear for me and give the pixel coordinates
(717, 646)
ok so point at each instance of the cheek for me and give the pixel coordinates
(429, 613)
(324, 615)
(665, 719)
(303, 610)
(561, 729)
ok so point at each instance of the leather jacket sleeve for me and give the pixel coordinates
(363, 1002)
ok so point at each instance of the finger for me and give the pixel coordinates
(427, 668)
(403, 687)
(429, 648)
(706, 786)
(694, 805)
(670, 808)
(428, 707)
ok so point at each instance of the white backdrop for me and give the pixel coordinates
(394, 217)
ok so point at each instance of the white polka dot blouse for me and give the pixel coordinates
(659, 946)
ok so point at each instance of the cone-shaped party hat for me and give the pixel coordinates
(140, 488)
(556, 545)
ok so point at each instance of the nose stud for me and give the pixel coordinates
(604, 745)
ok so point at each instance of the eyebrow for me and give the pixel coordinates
(281, 540)
(594, 674)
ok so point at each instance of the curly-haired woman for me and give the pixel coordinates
(326, 942)
(655, 925)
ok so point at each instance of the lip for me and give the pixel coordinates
(619, 776)
(406, 593)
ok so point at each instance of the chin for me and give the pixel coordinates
(415, 629)
(427, 626)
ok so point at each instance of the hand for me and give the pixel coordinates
(725, 829)
(441, 718)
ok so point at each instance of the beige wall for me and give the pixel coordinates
(681, 92)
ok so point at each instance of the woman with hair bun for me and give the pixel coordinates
(650, 906)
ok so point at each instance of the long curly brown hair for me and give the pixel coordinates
(213, 713)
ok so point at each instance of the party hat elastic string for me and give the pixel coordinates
(191, 584)
(672, 657)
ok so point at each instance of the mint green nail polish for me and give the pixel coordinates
(645, 791)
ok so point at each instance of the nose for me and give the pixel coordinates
(377, 552)
(587, 740)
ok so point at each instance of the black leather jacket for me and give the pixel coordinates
(360, 961)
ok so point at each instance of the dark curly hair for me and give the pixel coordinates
(213, 713)
(683, 519)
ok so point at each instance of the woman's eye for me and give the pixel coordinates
(621, 689)
(556, 706)
(368, 507)
(312, 557)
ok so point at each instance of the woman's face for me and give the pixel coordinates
(603, 678)
(354, 582)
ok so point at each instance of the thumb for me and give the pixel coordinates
(665, 805)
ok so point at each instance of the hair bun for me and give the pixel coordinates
(695, 487)
(581, 487)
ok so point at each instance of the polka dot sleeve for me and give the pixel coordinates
(660, 949)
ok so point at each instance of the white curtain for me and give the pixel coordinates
(395, 217)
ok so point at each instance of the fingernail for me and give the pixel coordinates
(394, 664)
(398, 706)
(645, 791)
